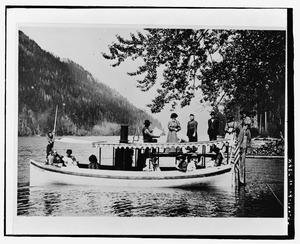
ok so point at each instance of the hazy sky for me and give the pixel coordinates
(83, 43)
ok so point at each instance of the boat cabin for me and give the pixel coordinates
(133, 156)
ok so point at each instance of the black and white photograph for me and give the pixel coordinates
(149, 122)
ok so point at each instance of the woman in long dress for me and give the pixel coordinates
(174, 127)
(230, 129)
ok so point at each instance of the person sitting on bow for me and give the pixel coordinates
(55, 159)
(148, 135)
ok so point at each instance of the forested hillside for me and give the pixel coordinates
(85, 105)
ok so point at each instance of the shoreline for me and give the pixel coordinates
(265, 156)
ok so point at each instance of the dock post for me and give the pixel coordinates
(242, 160)
(242, 167)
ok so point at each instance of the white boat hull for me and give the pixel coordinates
(46, 174)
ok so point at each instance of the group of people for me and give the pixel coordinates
(231, 127)
(186, 164)
(174, 127)
(53, 158)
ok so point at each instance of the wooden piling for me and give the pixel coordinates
(242, 167)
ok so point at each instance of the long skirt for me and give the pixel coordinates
(172, 136)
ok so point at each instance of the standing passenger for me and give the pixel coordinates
(50, 144)
(174, 127)
(213, 127)
(192, 127)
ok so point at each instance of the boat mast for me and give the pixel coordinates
(55, 121)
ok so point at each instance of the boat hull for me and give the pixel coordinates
(46, 174)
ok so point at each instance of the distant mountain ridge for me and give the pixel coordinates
(85, 105)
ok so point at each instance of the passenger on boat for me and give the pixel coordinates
(148, 136)
(93, 162)
(192, 163)
(55, 159)
(50, 144)
(192, 127)
(69, 159)
(213, 127)
(174, 127)
(151, 164)
(181, 163)
(155, 164)
(219, 155)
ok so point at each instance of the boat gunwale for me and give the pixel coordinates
(182, 176)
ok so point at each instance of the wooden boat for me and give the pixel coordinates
(127, 164)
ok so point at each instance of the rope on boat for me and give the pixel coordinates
(274, 194)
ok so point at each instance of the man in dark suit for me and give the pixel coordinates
(213, 127)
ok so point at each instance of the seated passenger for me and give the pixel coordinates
(210, 164)
(192, 163)
(149, 166)
(147, 133)
(181, 163)
(93, 162)
(219, 155)
(155, 164)
(55, 159)
(69, 159)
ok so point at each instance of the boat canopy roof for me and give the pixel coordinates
(139, 145)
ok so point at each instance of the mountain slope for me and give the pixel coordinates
(85, 105)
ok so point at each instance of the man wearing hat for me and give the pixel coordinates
(213, 127)
(192, 127)
(147, 133)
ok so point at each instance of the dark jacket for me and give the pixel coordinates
(213, 127)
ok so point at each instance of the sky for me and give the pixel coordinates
(79, 36)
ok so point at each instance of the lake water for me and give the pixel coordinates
(261, 197)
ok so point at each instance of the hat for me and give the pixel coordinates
(69, 151)
(192, 115)
(180, 156)
(147, 122)
(212, 113)
(194, 155)
(174, 115)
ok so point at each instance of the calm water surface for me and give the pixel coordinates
(254, 200)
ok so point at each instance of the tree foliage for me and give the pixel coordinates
(244, 67)
(182, 53)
